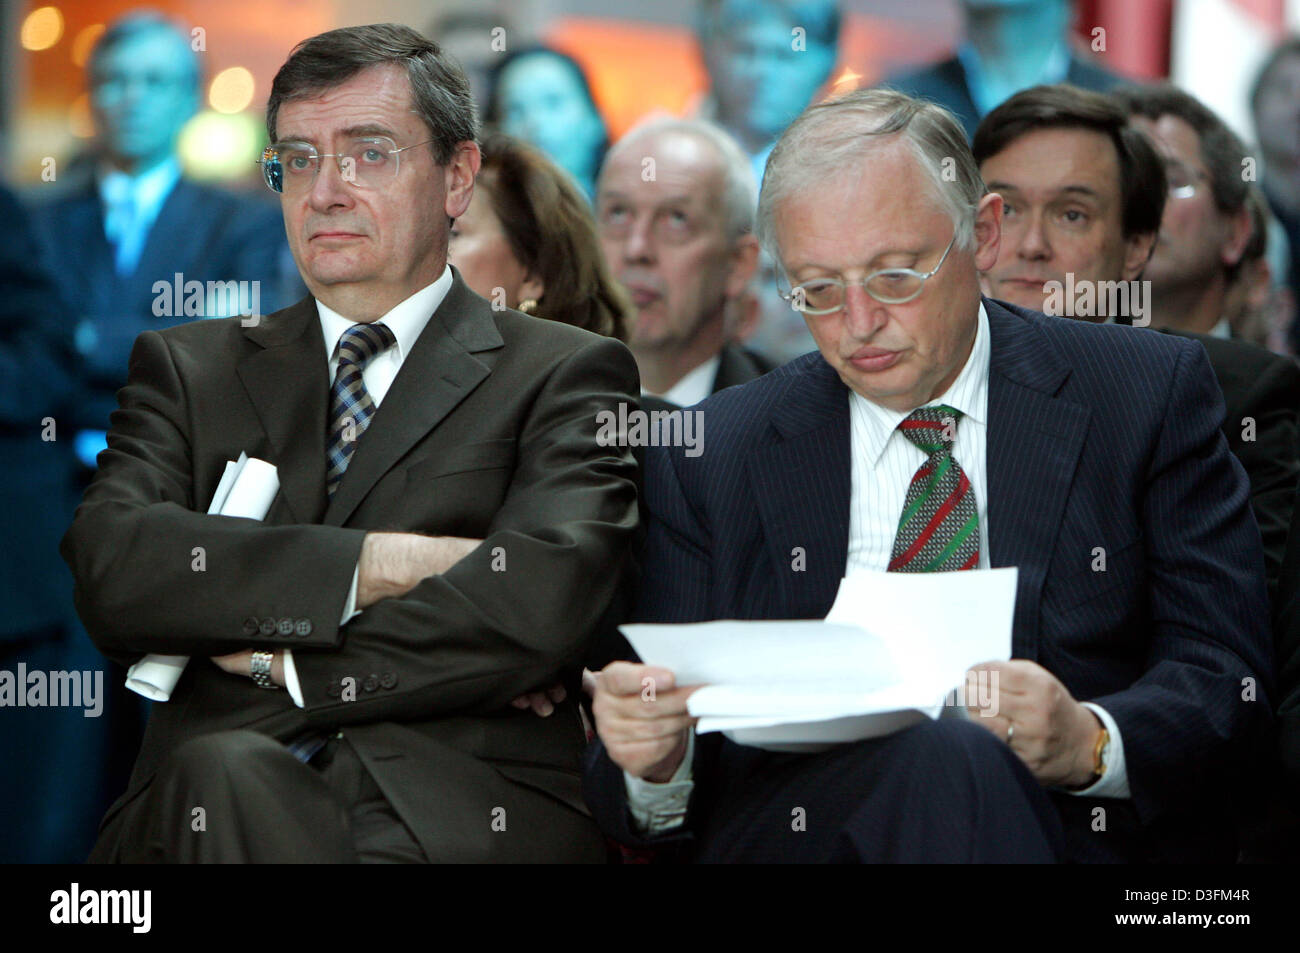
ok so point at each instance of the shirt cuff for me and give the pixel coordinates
(291, 679)
(350, 610)
(1114, 782)
(656, 808)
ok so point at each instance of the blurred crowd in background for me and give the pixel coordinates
(133, 136)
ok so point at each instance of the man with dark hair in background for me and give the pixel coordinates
(1207, 223)
(1083, 196)
(448, 533)
(141, 221)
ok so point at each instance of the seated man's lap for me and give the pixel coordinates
(944, 790)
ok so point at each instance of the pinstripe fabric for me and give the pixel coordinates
(350, 405)
(1110, 487)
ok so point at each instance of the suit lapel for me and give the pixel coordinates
(86, 234)
(438, 374)
(1034, 442)
(801, 484)
(287, 381)
(170, 245)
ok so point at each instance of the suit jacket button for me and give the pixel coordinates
(284, 626)
(303, 627)
(389, 680)
(250, 626)
(371, 683)
(267, 626)
(334, 689)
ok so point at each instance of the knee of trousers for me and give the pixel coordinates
(219, 755)
(962, 750)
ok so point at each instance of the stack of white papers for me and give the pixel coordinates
(890, 650)
(246, 489)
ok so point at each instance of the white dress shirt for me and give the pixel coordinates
(882, 464)
(694, 387)
(407, 321)
(146, 193)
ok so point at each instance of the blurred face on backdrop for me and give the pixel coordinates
(1197, 241)
(143, 89)
(1062, 213)
(362, 250)
(543, 102)
(897, 355)
(481, 253)
(666, 239)
(759, 78)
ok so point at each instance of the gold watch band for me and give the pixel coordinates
(1099, 756)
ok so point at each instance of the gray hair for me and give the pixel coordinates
(829, 136)
(740, 189)
(439, 89)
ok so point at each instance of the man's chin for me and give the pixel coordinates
(1022, 296)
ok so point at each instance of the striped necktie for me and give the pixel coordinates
(351, 408)
(350, 411)
(938, 530)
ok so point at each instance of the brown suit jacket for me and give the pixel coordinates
(489, 430)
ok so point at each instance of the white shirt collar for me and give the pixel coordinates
(406, 320)
(695, 386)
(1221, 330)
(148, 189)
(969, 393)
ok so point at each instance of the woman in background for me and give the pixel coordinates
(528, 241)
(542, 96)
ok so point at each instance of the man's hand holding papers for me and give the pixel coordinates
(1052, 733)
(642, 717)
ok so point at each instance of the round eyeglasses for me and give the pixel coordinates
(368, 162)
(888, 286)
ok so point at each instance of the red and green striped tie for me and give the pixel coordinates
(939, 528)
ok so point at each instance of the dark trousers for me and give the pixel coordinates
(939, 792)
(241, 797)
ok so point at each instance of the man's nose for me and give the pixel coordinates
(330, 188)
(863, 314)
(1033, 243)
(639, 244)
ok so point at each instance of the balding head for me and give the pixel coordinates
(675, 206)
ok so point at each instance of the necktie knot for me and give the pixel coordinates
(359, 343)
(932, 429)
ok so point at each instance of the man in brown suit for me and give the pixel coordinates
(449, 533)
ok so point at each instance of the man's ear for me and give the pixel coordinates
(744, 262)
(461, 169)
(1137, 252)
(1240, 227)
(988, 231)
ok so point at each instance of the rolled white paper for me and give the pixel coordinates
(246, 489)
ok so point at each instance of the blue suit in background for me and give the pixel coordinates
(946, 83)
(56, 762)
(203, 233)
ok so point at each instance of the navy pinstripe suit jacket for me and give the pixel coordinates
(1098, 436)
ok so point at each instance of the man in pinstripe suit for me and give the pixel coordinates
(1089, 456)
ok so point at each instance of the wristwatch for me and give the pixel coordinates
(261, 669)
(1099, 756)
